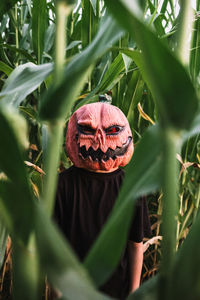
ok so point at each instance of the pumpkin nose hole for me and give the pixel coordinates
(100, 137)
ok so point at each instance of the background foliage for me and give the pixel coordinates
(58, 55)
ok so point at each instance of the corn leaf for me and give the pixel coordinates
(147, 291)
(76, 73)
(26, 283)
(60, 264)
(21, 51)
(23, 81)
(39, 27)
(186, 267)
(3, 241)
(57, 258)
(110, 78)
(5, 68)
(112, 73)
(194, 128)
(6, 5)
(142, 177)
(165, 74)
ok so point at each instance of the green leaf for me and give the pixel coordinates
(111, 77)
(21, 51)
(147, 291)
(61, 265)
(127, 62)
(165, 74)
(186, 268)
(142, 177)
(49, 38)
(23, 81)
(136, 97)
(5, 68)
(194, 128)
(39, 27)
(76, 73)
(94, 5)
(16, 206)
(26, 283)
(151, 6)
(112, 73)
(3, 241)
(13, 132)
(195, 56)
(16, 194)
(73, 45)
(137, 57)
(158, 24)
(6, 5)
(28, 111)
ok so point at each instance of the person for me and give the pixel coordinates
(99, 142)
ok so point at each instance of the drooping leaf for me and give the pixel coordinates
(165, 74)
(76, 73)
(23, 81)
(61, 265)
(142, 177)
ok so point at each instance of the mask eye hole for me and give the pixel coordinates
(85, 129)
(113, 130)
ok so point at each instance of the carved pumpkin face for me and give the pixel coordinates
(99, 137)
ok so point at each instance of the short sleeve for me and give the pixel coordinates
(140, 227)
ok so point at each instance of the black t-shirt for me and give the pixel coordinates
(84, 200)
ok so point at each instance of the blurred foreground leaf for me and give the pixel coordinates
(142, 177)
(186, 268)
(168, 80)
(13, 132)
(59, 262)
(194, 128)
(147, 291)
(22, 216)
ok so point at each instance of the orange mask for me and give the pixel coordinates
(99, 137)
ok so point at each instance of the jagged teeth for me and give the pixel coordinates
(99, 155)
(95, 147)
(104, 148)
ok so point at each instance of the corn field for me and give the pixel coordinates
(55, 56)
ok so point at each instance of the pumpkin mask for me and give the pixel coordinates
(99, 137)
